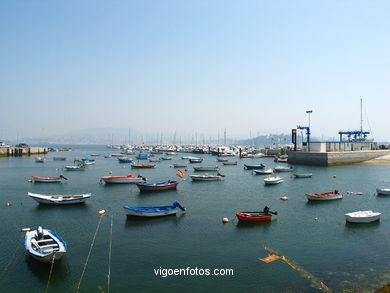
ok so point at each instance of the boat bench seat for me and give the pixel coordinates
(48, 246)
(51, 250)
(45, 240)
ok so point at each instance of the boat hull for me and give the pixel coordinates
(362, 217)
(384, 191)
(253, 217)
(323, 197)
(38, 179)
(59, 199)
(147, 187)
(121, 179)
(205, 178)
(135, 213)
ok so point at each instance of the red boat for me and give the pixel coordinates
(142, 166)
(254, 216)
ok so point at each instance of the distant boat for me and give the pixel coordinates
(157, 211)
(39, 179)
(256, 166)
(39, 160)
(303, 175)
(383, 191)
(179, 165)
(206, 168)
(362, 217)
(283, 169)
(166, 158)
(125, 160)
(138, 166)
(227, 163)
(117, 155)
(45, 245)
(122, 179)
(171, 154)
(154, 159)
(141, 157)
(324, 196)
(273, 180)
(75, 168)
(94, 155)
(222, 159)
(263, 172)
(167, 185)
(195, 160)
(60, 158)
(59, 199)
(87, 161)
(206, 177)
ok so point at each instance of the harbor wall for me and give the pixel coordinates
(18, 151)
(335, 158)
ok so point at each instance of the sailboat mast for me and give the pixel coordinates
(361, 115)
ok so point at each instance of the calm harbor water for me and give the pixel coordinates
(312, 235)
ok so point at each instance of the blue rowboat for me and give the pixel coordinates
(141, 157)
(171, 184)
(158, 211)
(44, 245)
(125, 160)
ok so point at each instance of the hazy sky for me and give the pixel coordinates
(194, 66)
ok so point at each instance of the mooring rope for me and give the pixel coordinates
(89, 254)
(51, 270)
(109, 257)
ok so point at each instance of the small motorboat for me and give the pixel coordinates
(283, 169)
(260, 216)
(122, 179)
(179, 165)
(263, 172)
(273, 180)
(324, 196)
(207, 177)
(125, 160)
(80, 167)
(195, 160)
(40, 159)
(303, 175)
(160, 186)
(383, 191)
(88, 162)
(59, 199)
(158, 211)
(251, 167)
(39, 179)
(362, 217)
(228, 163)
(138, 166)
(45, 245)
(206, 168)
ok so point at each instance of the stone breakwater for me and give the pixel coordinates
(22, 151)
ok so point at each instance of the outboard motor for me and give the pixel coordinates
(176, 204)
(63, 177)
(39, 232)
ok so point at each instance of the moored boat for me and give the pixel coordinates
(207, 177)
(60, 158)
(362, 217)
(383, 191)
(40, 159)
(141, 157)
(195, 160)
(157, 211)
(273, 180)
(263, 172)
(228, 163)
(206, 168)
(125, 160)
(222, 159)
(283, 169)
(255, 166)
(303, 175)
(259, 216)
(138, 166)
(324, 195)
(167, 185)
(75, 167)
(59, 199)
(45, 245)
(179, 165)
(122, 179)
(39, 179)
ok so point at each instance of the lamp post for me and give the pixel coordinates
(308, 130)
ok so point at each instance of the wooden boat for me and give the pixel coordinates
(263, 172)
(206, 177)
(260, 216)
(39, 160)
(251, 167)
(151, 212)
(59, 199)
(227, 163)
(122, 179)
(154, 159)
(171, 184)
(324, 196)
(303, 175)
(45, 245)
(138, 166)
(75, 167)
(179, 165)
(383, 191)
(222, 159)
(141, 157)
(39, 179)
(125, 160)
(206, 168)
(166, 158)
(195, 160)
(273, 180)
(283, 169)
(362, 217)
(60, 158)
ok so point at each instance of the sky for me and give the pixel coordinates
(252, 67)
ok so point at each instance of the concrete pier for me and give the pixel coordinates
(22, 151)
(339, 158)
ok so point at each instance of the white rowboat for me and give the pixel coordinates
(362, 217)
(59, 199)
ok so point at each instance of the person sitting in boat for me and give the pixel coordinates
(266, 210)
(336, 191)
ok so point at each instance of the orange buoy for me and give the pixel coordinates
(102, 212)
(284, 198)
